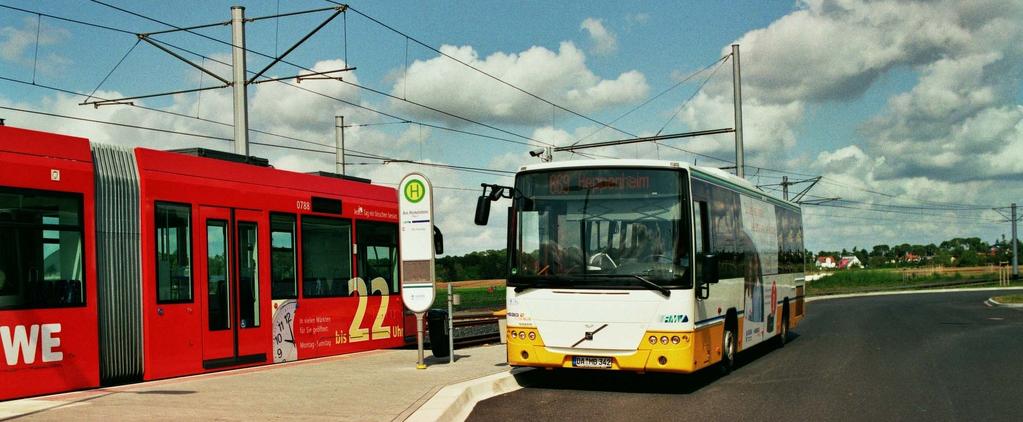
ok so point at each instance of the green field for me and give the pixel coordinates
(478, 298)
(473, 298)
(858, 280)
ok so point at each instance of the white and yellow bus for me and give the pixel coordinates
(643, 265)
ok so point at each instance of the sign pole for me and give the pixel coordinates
(451, 327)
(415, 238)
(421, 364)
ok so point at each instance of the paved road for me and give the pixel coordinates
(939, 356)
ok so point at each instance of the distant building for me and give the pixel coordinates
(911, 257)
(849, 262)
(826, 262)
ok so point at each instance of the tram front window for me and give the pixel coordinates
(600, 228)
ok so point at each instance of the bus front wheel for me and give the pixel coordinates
(728, 349)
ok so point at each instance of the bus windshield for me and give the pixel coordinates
(610, 227)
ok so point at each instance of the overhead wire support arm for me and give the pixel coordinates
(189, 29)
(156, 44)
(339, 10)
(813, 182)
(322, 75)
(643, 139)
(306, 76)
(127, 100)
(820, 201)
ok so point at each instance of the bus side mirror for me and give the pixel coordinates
(482, 210)
(438, 241)
(702, 290)
(709, 268)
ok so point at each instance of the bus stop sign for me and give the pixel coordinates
(415, 225)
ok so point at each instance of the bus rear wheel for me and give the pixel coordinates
(783, 333)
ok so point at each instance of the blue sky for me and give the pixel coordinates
(919, 101)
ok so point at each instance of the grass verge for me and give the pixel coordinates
(1013, 299)
(864, 281)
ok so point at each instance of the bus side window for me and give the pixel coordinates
(701, 234)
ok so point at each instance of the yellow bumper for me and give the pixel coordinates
(692, 352)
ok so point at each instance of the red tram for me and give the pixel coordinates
(118, 264)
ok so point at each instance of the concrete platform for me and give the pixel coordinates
(382, 385)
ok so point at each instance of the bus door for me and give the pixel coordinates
(230, 285)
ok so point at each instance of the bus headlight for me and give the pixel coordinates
(675, 340)
(652, 339)
(532, 335)
(664, 339)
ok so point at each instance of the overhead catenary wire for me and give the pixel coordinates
(651, 99)
(249, 50)
(111, 72)
(222, 138)
(826, 180)
(400, 120)
(481, 71)
(349, 152)
(175, 114)
(699, 88)
(359, 106)
(61, 18)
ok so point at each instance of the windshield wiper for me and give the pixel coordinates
(522, 283)
(652, 285)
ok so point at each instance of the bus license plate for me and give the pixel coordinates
(591, 362)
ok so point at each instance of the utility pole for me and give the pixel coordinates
(339, 144)
(737, 98)
(785, 187)
(241, 102)
(1015, 259)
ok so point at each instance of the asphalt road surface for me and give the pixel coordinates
(933, 357)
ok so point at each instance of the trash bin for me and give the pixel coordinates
(437, 320)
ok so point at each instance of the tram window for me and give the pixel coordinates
(173, 253)
(284, 277)
(218, 278)
(248, 274)
(378, 253)
(326, 257)
(41, 256)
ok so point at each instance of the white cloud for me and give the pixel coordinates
(561, 77)
(955, 135)
(637, 18)
(279, 109)
(961, 108)
(604, 41)
(18, 44)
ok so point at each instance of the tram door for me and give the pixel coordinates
(231, 254)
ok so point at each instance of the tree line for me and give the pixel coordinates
(479, 265)
(956, 252)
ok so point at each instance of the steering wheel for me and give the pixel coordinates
(603, 256)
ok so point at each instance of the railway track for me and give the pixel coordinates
(475, 328)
